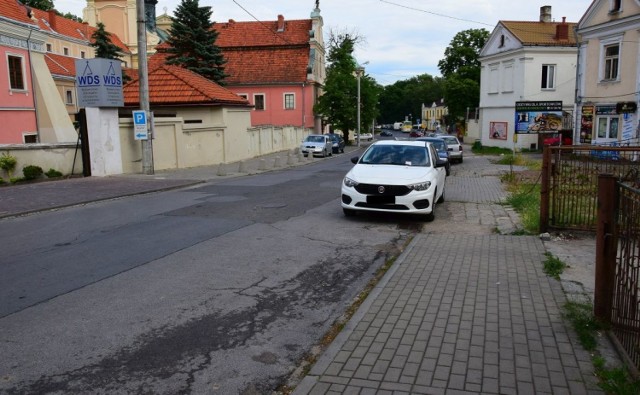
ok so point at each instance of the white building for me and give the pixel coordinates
(525, 61)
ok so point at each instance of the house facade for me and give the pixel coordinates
(434, 115)
(527, 64)
(278, 66)
(608, 78)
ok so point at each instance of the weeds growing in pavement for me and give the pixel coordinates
(553, 266)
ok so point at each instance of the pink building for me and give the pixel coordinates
(17, 98)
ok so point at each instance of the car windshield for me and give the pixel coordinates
(401, 155)
(314, 139)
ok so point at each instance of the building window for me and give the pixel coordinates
(611, 61)
(65, 50)
(507, 82)
(30, 138)
(493, 79)
(616, 6)
(258, 101)
(289, 101)
(69, 97)
(16, 73)
(82, 54)
(244, 96)
(548, 76)
(608, 127)
(502, 41)
(49, 49)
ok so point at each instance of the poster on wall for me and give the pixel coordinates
(498, 130)
(586, 124)
(538, 117)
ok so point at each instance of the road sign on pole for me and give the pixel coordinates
(140, 129)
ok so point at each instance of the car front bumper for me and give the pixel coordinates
(414, 202)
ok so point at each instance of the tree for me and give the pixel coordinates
(44, 5)
(406, 97)
(105, 48)
(192, 42)
(339, 102)
(461, 70)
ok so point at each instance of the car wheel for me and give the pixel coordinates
(430, 217)
(348, 212)
(460, 159)
(448, 169)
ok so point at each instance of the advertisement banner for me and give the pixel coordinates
(586, 124)
(538, 117)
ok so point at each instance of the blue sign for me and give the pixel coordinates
(99, 82)
(140, 130)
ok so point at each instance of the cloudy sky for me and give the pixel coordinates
(402, 38)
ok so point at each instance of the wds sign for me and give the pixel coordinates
(99, 82)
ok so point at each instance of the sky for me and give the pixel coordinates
(401, 38)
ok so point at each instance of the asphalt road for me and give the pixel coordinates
(219, 287)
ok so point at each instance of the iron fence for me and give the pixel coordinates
(570, 182)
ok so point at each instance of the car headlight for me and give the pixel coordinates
(349, 182)
(421, 186)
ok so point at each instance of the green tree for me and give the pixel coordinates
(105, 48)
(461, 69)
(339, 103)
(44, 5)
(405, 98)
(192, 42)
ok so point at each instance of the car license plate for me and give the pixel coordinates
(374, 199)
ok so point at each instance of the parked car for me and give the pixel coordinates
(365, 136)
(556, 141)
(416, 133)
(454, 146)
(386, 133)
(442, 148)
(337, 143)
(395, 176)
(317, 144)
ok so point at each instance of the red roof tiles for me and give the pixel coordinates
(61, 65)
(174, 85)
(15, 10)
(542, 33)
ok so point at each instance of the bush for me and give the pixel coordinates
(53, 173)
(32, 172)
(8, 163)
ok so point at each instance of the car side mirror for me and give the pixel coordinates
(441, 162)
(354, 160)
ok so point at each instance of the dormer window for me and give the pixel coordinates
(616, 6)
(502, 41)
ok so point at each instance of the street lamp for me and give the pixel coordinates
(359, 73)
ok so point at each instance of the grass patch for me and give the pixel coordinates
(525, 199)
(615, 381)
(481, 150)
(520, 160)
(584, 323)
(553, 266)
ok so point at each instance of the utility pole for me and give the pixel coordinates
(147, 145)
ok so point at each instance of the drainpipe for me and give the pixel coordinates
(304, 114)
(33, 89)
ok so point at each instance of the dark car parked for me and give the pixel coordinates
(337, 143)
(441, 147)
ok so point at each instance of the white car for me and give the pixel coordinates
(365, 136)
(317, 144)
(455, 148)
(395, 176)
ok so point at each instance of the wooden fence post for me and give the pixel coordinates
(605, 247)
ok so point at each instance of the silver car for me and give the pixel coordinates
(455, 148)
(317, 144)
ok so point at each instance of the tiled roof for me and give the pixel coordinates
(49, 21)
(266, 65)
(60, 65)
(257, 53)
(540, 33)
(12, 9)
(174, 85)
(250, 34)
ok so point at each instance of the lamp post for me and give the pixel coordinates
(359, 73)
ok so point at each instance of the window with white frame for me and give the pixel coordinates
(548, 76)
(49, 47)
(258, 101)
(69, 96)
(611, 62)
(82, 54)
(507, 82)
(289, 101)
(244, 96)
(608, 126)
(65, 50)
(30, 138)
(615, 6)
(16, 72)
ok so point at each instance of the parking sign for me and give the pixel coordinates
(140, 130)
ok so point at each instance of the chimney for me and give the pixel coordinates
(545, 13)
(52, 19)
(562, 30)
(280, 23)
